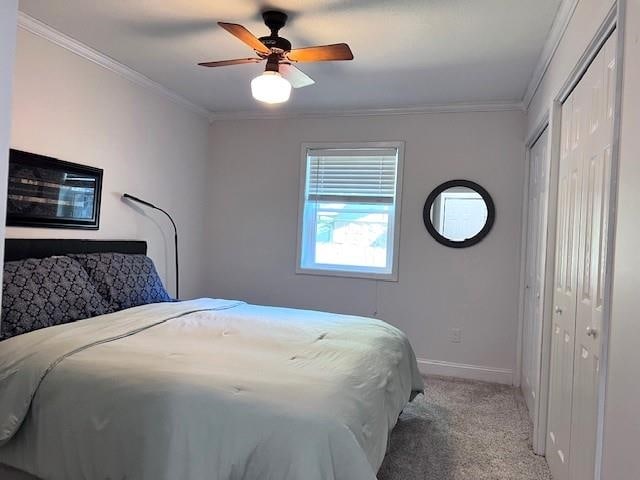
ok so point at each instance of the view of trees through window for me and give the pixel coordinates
(352, 234)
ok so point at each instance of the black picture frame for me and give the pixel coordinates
(51, 193)
(491, 213)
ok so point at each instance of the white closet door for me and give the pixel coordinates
(581, 248)
(565, 286)
(534, 273)
(599, 81)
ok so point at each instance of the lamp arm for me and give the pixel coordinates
(175, 241)
(175, 234)
(139, 200)
(175, 228)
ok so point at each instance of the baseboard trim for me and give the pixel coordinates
(462, 370)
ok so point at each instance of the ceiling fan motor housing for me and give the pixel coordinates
(278, 43)
(275, 20)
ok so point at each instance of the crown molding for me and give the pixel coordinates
(556, 32)
(32, 25)
(43, 30)
(372, 112)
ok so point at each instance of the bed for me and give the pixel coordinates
(200, 389)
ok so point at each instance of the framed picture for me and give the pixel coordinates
(47, 192)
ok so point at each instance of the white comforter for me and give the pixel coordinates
(204, 389)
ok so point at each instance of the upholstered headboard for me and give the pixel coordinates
(21, 248)
(68, 280)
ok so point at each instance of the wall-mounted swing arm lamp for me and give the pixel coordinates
(126, 196)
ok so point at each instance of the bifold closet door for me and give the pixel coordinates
(534, 273)
(565, 287)
(599, 81)
(581, 247)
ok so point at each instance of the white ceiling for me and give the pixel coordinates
(408, 53)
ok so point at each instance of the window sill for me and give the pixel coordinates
(385, 277)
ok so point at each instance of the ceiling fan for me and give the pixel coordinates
(274, 85)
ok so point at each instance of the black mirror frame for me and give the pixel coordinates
(491, 214)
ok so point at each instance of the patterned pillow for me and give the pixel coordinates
(124, 280)
(39, 293)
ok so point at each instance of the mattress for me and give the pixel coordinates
(204, 389)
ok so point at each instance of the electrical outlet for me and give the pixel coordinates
(455, 335)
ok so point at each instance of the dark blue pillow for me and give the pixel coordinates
(124, 280)
(39, 293)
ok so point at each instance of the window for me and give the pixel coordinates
(350, 210)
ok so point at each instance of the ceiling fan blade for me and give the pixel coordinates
(246, 36)
(296, 77)
(237, 61)
(338, 51)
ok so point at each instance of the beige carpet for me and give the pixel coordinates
(463, 430)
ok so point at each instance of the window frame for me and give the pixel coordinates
(344, 270)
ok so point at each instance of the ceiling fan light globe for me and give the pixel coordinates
(271, 87)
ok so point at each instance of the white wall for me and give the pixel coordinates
(254, 187)
(8, 22)
(70, 108)
(621, 422)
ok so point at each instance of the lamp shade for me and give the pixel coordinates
(270, 87)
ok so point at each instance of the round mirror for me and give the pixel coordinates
(459, 213)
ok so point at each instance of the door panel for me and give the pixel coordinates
(595, 208)
(581, 250)
(534, 273)
(563, 328)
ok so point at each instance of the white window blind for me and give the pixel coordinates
(352, 176)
